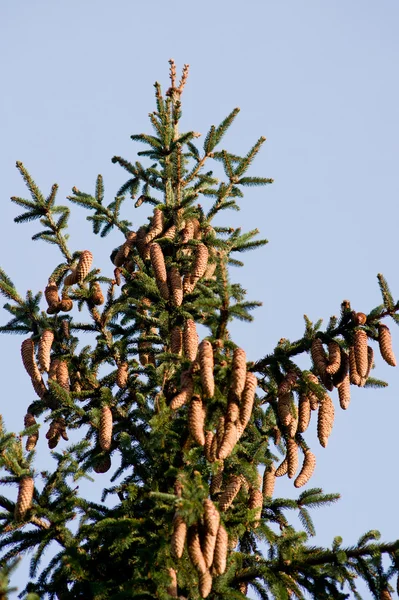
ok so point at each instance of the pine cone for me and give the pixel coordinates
(282, 469)
(220, 554)
(229, 440)
(233, 486)
(243, 588)
(157, 224)
(28, 359)
(204, 584)
(353, 374)
(247, 400)
(211, 517)
(172, 587)
(71, 278)
(176, 340)
(25, 496)
(194, 549)
(158, 264)
(313, 399)
(170, 233)
(384, 594)
(200, 262)
(39, 387)
(188, 283)
(269, 480)
(344, 393)
(359, 318)
(83, 266)
(292, 457)
(66, 304)
(65, 329)
(196, 419)
(306, 472)
(175, 286)
(256, 502)
(178, 536)
(31, 441)
(63, 375)
(343, 370)
(209, 449)
(232, 413)
(97, 296)
(385, 342)
(325, 420)
(205, 352)
(46, 341)
(103, 465)
(105, 429)
(334, 358)
(123, 252)
(288, 383)
(319, 356)
(56, 430)
(238, 372)
(190, 340)
(122, 374)
(284, 409)
(360, 348)
(304, 413)
(208, 548)
(292, 428)
(52, 297)
(187, 233)
(186, 392)
(370, 363)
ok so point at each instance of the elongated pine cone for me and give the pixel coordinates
(122, 374)
(176, 286)
(211, 516)
(71, 278)
(190, 340)
(306, 472)
(385, 343)
(269, 481)
(200, 262)
(157, 224)
(187, 388)
(353, 374)
(52, 297)
(385, 594)
(208, 547)
(194, 549)
(46, 341)
(28, 359)
(284, 409)
(238, 372)
(63, 374)
(205, 352)
(123, 252)
(319, 356)
(103, 465)
(343, 370)
(334, 358)
(25, 496)
(325, 420)
(196, 420)
(282, 469)
(229, 440)
(313, 399)
(158, 264)
(66, 304)
(31, 441)
(288, 383)
(304, 413)
(204, 584)
(231, 490)
(97, 296)
(247, 399)
(172, 587)
(176, 340)
(178, 536)
(292, 457)
(105, 430)
(370, 363)
(39, 387)
(217, 480)
(344, 393)
(220, 554)
(256, 502)
(360, 348)
(83, 266)
(209, 449)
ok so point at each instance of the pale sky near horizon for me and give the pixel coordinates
(319, 80)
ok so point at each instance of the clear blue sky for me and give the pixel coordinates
(319, 80)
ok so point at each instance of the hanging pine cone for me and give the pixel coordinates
(370, 363)
(46, 341)
(158, 264)
(142, 246)
(178, 536)
(269, 480)
(187, 388)
(217, 480)
(304, 413)
(31, 441)
(385, 342)
(220, 554)
(105, 429)
(282, 469)
(204, 584)
(200, 262)
(170, 233)
(188, 283)
(256, 502)
(123, 252)
(231, 490)
(66, 304)
(190, 340)
(325, 420)
(172, 587)
(97, 296)
(157, 224)
(194, 549)
(205, 352)
(122, 374)
(292, 428)
(343, 370)
(71, 278)
(247, 400)
(306, 472)
(209, 448)
(56, 430)
(63, 375)
(284, 409)
(28, 359)
(353, 374)
(385, 594)
(211, 529)
(229, 440)
(319, 356)
(243, 588)
(238, 372)
(25, 497)
(83, 266)
(288, 383)
(344, 393)
(359, 318)
(103, 465)
(176, 286)
(334, 358)
(292, 457)
(176, 340)
(187, 233)
(211, 516)
(196, 420)
(313, 399)
(65, 329)
(52, 297)
(360, 348)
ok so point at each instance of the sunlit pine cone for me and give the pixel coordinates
(176, 340)
(103, 465)
(220, 430)
(25, 497)
(97, 296)
(238, 372)
(325, 420)
(29, 360)
(46, 341)
(217, 480)
(56, 430)
(385, 594)
(122, 374)
(343, 370)
(105, 428)
(211, 520)
(52, 297)
(157, 225)
(385, 343)
(282, 469)
(205, 584)
(83, 266)
(143, 346)
(205, 353)
(232, 413)
(229, 440)
(344, 393)
(63, 375)
(231, 490)
(142, 246)
(52, 373)
(304, 413)
(178, 536)
(117, 276)
(288, 383)
(292, 457)
(158, 264)
(209, 448)
(196, 419)
(284, 409)
(39, 387)
(170, 233)
(313, 399)
(200, 261)
(31, 441)
(65, 329)
(187, 233)
(319, 356)
(307, 470)
(190, 340)
(123, 252)
(243, 588)
(256, 502)
(334, 358)
(353, 374)
(187, 389)
(172, 587)
(176, 286)
(70, 279)
(359, 318)
(220, 554)
(188, 283)
(65, 304)
(370, 363)
(194, 549)
(292, 427)
(360, 348)
(247, 399)
(269, 481)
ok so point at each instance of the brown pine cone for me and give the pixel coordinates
(360, 349)
(178, 536)
(334, 358)
(200, 262)
(63, 375)
(122, 374)
(52, 297)
(238, 372)
(313, 399)
(157, 225)
(176, 286)
(46, 341)
(353, 374)
(194, 549)
(204, 584)
(170, 233)
(176, 340)
(31, 441)
(39, 387)
(52, 374)
(25, 497)
(190, 340)
(231, 490)
(123, 252)
(325, 420)
(209, 448)
(105, 429)
(65, 329)
(284, 409)
(385, 594)
(232, 413)
(66, 304)
(83, 266)
(71, 278)
(344, 393)
(212, 520)
(282, 469)
(196, 420)
(269, 480)
(205, 352)
(304, 413)
(187, 233)
(229, 440)
(142, 246)
(220, 554)
(158, 264)
(247, 399)
(288, 383)
(359, 318)
(306, 472)
(292, 457)
(243, 588)
(103, 465)
(343, 370)
(56, 430)
(217, 480)
(256, 502)
(211, 517)
(319, 356)
(187, 389)
(220, 430)
(385, 342)
(97, 296)
(172, 587)
(292, 428)
(188, 283)
(28, 359)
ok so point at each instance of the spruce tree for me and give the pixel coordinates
(193, 434)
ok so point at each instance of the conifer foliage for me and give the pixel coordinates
(191, 434)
